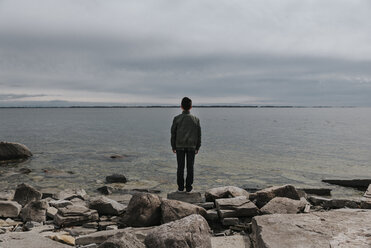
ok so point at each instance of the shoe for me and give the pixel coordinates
(180, 190)
(189, 189)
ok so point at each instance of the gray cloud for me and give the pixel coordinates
(255, 52)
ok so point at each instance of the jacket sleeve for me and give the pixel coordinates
(199, 136)
(173, 135)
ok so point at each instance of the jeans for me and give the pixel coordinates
(180, 156)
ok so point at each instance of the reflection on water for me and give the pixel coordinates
(251, 147)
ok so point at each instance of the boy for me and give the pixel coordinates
(185, 142)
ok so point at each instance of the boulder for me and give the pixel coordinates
(190, 197)
(25, 193)
(116, 178)
(35, 211)
(174, 210)
(360, 184)
(283, 205)
(123, 239)
(224, 192)
(191, 231)
(144, 209)
(265, 195)
(11, 151)
(9, 209)
(74, 215)
(69, 194)
(368, 192)
(106, 206)
(340, 228)
(239, 206)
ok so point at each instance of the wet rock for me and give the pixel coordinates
(191, 231)
(7, 195)
(341, 228)
(143, 210)
(368, 192)
(265, 195)
(360, 184)
(105, 190)
(25, 193)
(122, 240)
(239, 206)
(29, 240)
(174, 210)
(9, 209)
(69, 194)
(75, 215)
(317, 191)
(333, 203)
(116, 178)
(11, 151)
(283, 205)
(35, 211)
(235, 241)
(224, 192)
(190, 197)
(106, 206)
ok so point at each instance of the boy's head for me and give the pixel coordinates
(186, 103)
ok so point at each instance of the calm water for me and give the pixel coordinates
(252, 147)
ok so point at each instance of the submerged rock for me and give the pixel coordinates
(191, 231)
(116, 178)
(9, 209)
(174, 210)
(265, 195)
(317, 191)
(224, 192)
(11, 151)
(25, 193)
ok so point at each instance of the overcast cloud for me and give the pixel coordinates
(286, 52)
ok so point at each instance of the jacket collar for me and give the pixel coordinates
(185, 112)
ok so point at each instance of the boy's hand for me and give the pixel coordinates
(174, 151)
(196, 151)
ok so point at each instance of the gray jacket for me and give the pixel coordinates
(186, 132)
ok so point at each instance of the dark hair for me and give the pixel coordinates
(186, 103)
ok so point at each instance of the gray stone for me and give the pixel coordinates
(206, 205)
(112, 227)
(116, 178)
(121, 198)
(333, 203)
(25, 193)
(224, 192)
(123, 239)
(9, 209)
(29, 225)
(239, 206)
(340, 228)
(69, 194)
(366, 203)
(7, 195)
(144, 209)
(174, 210)
(35, 211)
(190, 197)
(265, 195)
(51, 212)
(235, 241)
(93, 225)
(230, 221)
(11, 151)
(72, 215)
(283, 205)
(59, 203)
(103, 224)
(368, 192)
(191, 231)
(78, 231)
(105, 190)
(212, 215)
(317, 191)
(29, 240)
(361, 184)
(106, 206)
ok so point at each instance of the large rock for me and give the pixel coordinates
(340, 228)
(265, 195)
(224, 192)
(191, 231)
(239, 206)
(9, 209)
(174, 210)
(144, 209)
(361, 184)
(25, 193)
(74, 215)
(122, 240)
(35, 211)
(106, 206)
(283, 205)
(10, 151)
(29, 240)
(69, 194)
(190, 197)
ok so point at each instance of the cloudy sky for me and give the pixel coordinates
(287, 52)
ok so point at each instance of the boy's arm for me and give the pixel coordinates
(199, 137)
(173, 135)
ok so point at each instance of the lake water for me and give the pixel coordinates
(255, 147)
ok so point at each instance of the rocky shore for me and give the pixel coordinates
(279, 216)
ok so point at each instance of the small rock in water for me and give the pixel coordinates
(116, 178)
(115, 156)
(105, 190)
(25, 170)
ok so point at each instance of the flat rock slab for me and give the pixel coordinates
(361, 184)
(348, 228)
(235, 241)
(29, 240)
(190, 197)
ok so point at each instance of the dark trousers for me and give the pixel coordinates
(181, 155)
